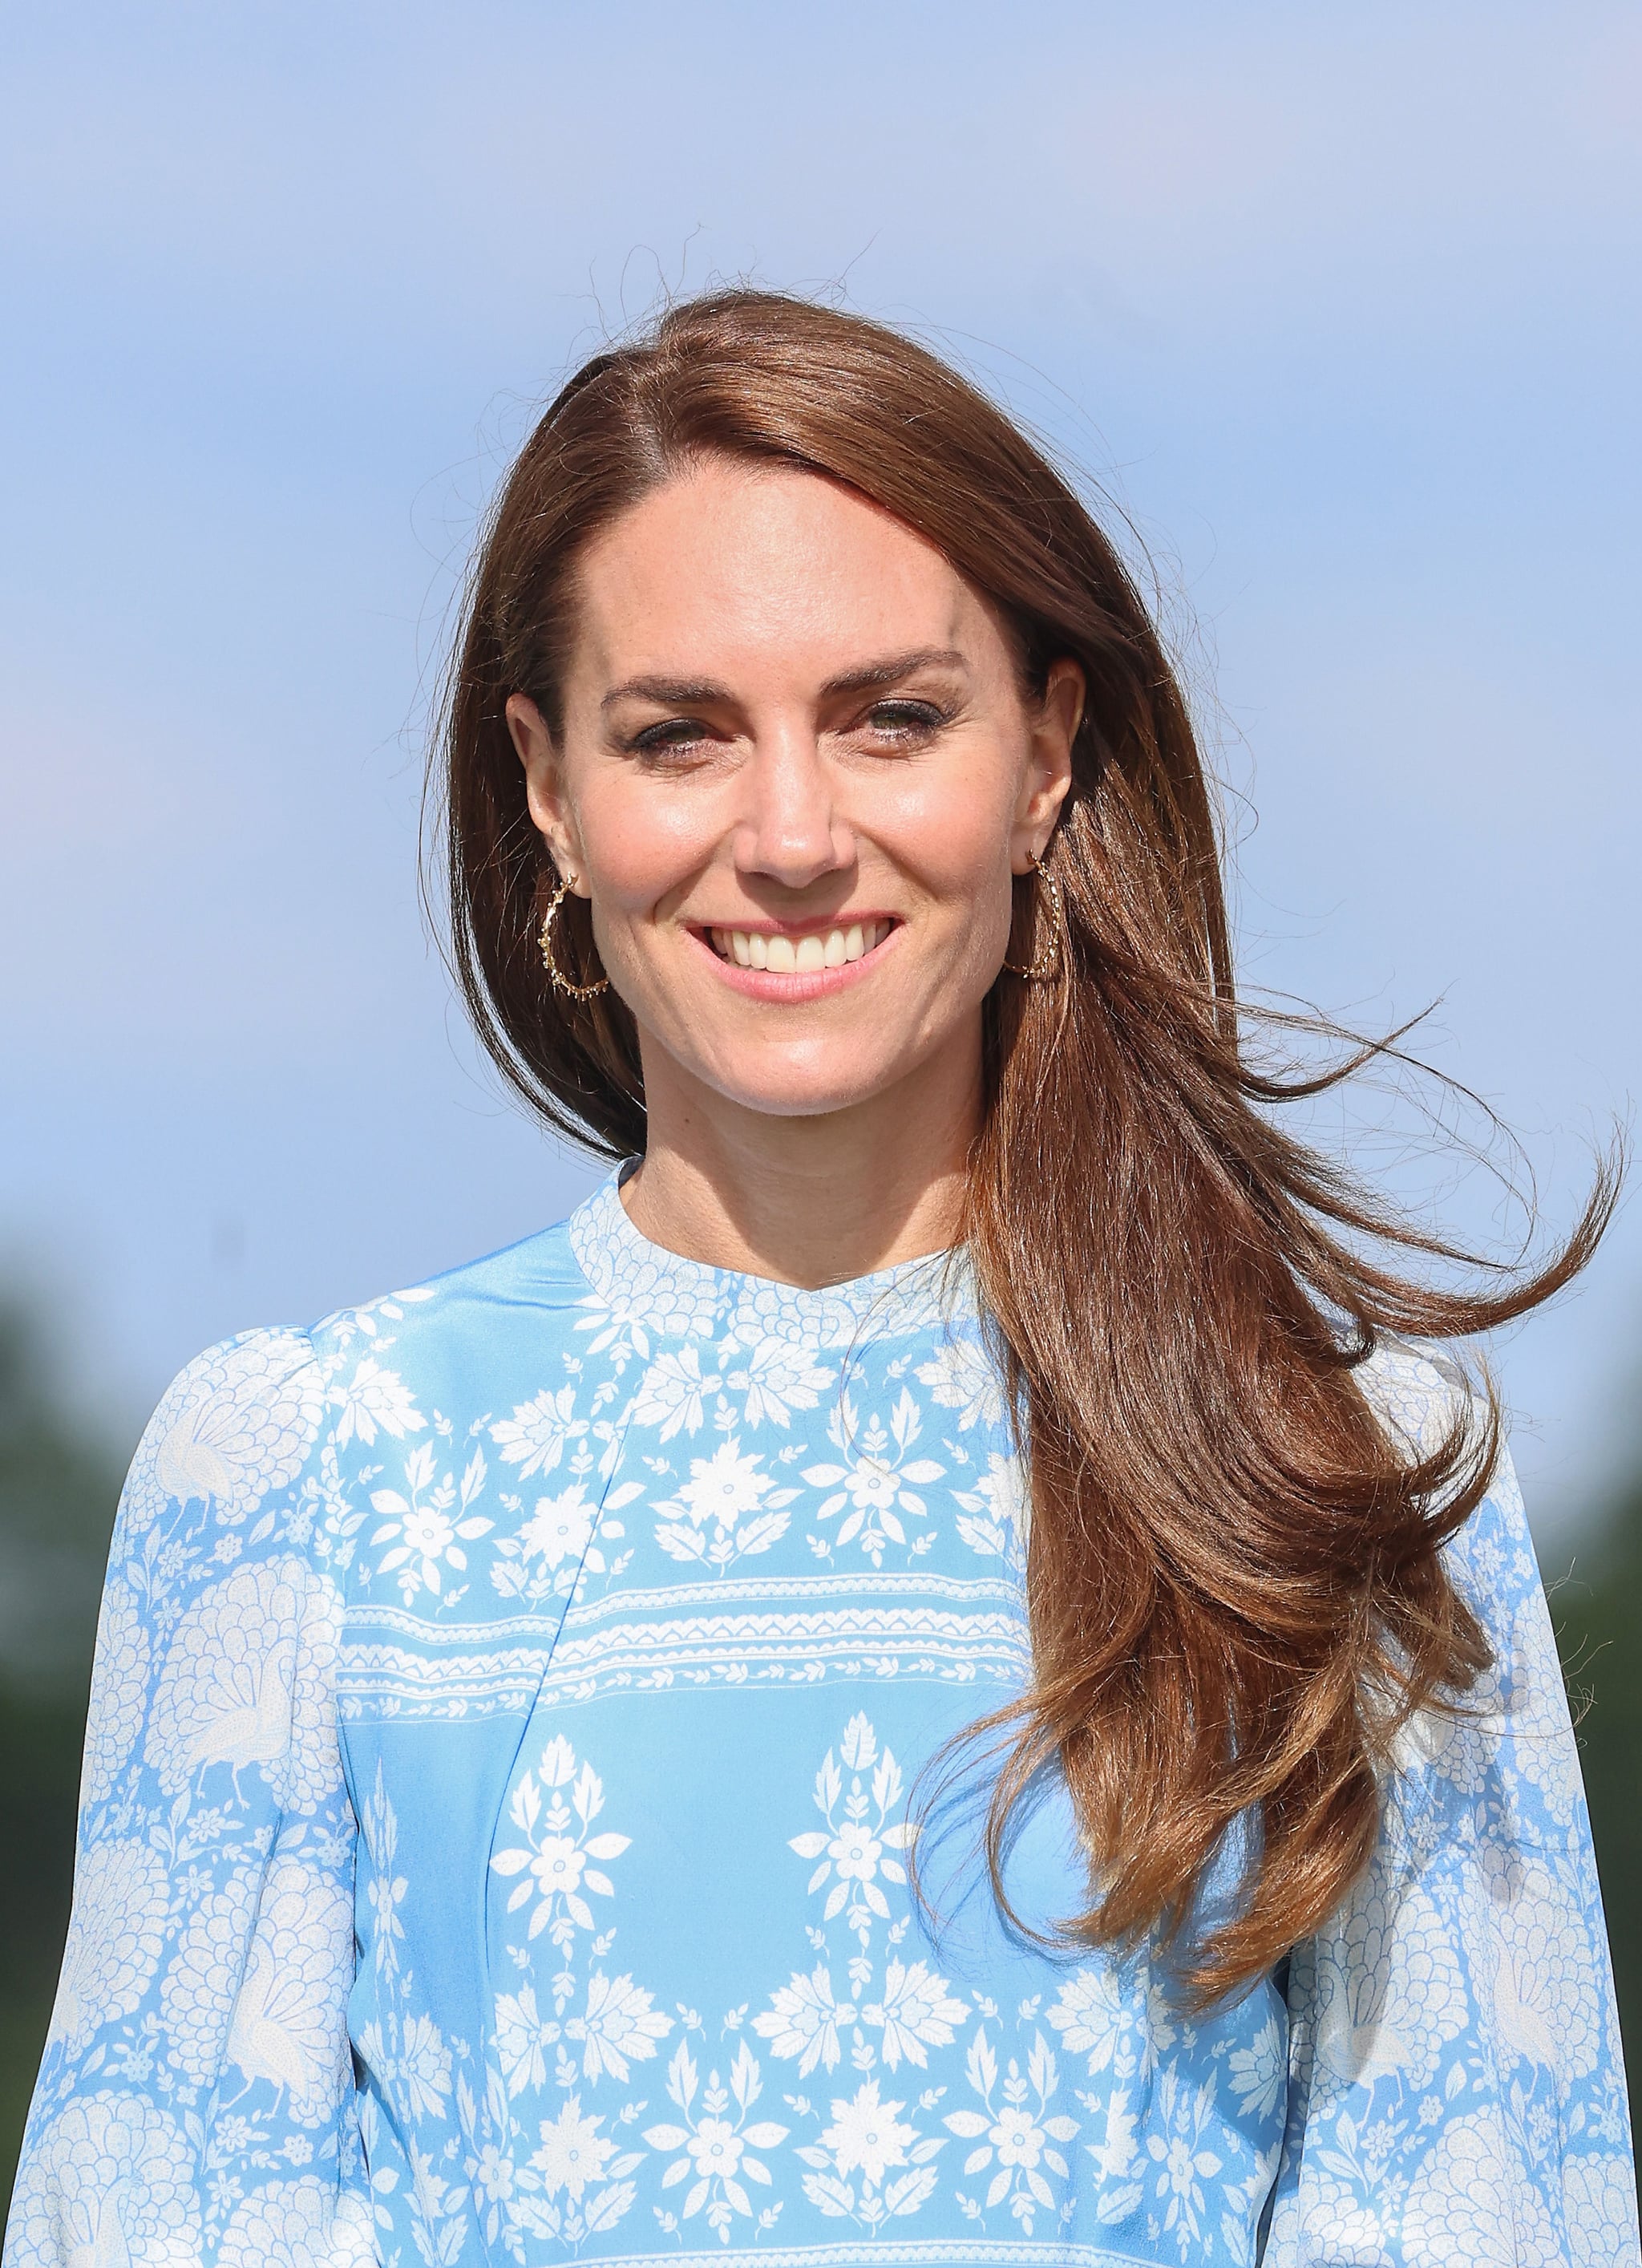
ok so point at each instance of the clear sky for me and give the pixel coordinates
(1341, 304)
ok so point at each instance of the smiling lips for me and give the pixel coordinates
(786, 953)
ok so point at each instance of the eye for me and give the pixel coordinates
(674, 736)
(902, 719)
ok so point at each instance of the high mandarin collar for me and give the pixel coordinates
(671, 1296)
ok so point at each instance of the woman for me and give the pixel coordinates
(929, 1677)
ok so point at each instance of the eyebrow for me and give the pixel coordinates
(697, 692)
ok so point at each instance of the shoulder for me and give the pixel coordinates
(1420, 1393)
(1514, 1736)
(212, 1556)
(450, 1329)
(1501, 1769)
(238, 1422)
(234, 1425)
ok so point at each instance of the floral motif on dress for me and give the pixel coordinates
(875, 1488)
(572, 2031)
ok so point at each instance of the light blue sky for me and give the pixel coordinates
(1340, 302)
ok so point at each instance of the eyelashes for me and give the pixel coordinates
(674, 732)
(908, 719)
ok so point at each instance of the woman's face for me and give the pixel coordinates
(795, 776)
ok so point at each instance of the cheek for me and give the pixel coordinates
(951, 830)
(642, 843)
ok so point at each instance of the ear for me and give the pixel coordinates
(544, 789)
(1048, 776)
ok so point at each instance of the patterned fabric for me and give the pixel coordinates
(510, 1708)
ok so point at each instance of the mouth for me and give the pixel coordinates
(789, 968)
(800, 952)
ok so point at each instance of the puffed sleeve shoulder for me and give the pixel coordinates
(196, 2101)
(1456, 2081)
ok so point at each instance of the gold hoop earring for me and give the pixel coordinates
(560, 982)
(1046, 961)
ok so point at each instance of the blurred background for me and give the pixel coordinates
(1337, 307)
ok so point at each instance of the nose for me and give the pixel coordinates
(791, 829)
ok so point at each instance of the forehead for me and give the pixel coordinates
(728, 567)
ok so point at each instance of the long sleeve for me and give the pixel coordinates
(197, 2099)
(1456, 2081)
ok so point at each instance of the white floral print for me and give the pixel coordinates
(857, 1850)
(618, 2025)
(553, 1808)
(770, 1379)
(803, 2020)
(524, 2038)
(566, 1558)
(917, 2012)
(991, 1519)
(584, 2038)
(427, 1527)
(963, 1377)
(718, 2142)
(535, 1438)
(858, 2159)
(555, 1545)
(574, 2154)
(876, 1498)
(1259, 2072)
(728, 1509)
(1184, 2162)
(559, 1528)
(1017, 2140)
(374, 1401)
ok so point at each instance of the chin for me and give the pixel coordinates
(801, 1102)
(808, 1092)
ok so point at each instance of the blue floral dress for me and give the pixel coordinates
(496, 1820)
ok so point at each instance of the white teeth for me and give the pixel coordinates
(799, 955)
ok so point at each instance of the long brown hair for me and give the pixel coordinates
(1235, 1583)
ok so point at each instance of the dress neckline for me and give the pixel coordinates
(672, 1296)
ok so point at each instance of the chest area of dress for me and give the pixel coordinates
(646, 1649)
(496, 1490)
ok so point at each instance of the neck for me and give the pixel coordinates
(811, 1200)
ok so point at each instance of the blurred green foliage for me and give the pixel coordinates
(59, 1483)
(58, 1487)
(1599, 1630)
